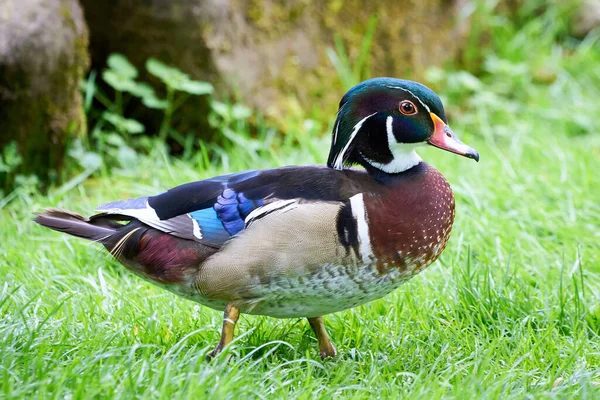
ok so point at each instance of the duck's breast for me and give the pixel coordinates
(410, 223)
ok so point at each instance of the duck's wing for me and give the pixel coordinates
(213, 210)
(301, 254)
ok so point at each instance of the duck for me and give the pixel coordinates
(297, 241)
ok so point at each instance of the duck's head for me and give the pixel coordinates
(381, 121)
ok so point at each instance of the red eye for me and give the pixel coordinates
(408, 108)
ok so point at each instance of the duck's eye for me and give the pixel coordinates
(408, 108)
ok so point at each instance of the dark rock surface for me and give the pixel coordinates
(43, 56)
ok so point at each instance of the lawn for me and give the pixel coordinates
(511, 309)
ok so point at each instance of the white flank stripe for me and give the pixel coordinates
(413, 95)
(360, 214)
(267, 209)
(339, 159)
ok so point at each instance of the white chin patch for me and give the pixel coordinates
(405, 156)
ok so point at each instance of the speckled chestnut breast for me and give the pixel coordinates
(410, 223)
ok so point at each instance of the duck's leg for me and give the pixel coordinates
(230, 318)
(326, 348)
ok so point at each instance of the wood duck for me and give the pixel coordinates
(299, 241)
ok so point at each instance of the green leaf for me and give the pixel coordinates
(155, 102)
(127, 157)
(169, 75)
(116, 81)
(121, 65)
(221, 109)
(140, 89)
(175, 79)
(86, 159)
(125, 84)
(145, 92)
(28, 182)
(194, 87)
(90, 160)
(239, 111)
(10, 157)
(123, 124)
(114, 140)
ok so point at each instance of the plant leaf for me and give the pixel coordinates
(221, 109)
(127, 157)
(121, 65)
(10, 157)
(140, 89)
(169, 75)
(239, 111)
(175, 79)
(114, 139)
(116, 81)
(123, 124)
(155, 102)
(194, 87)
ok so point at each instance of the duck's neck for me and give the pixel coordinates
(386, 177)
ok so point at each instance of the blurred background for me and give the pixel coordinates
(88, 86)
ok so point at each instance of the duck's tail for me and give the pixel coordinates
(148, 252)
(98, 228)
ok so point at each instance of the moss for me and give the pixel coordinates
(41, 119)
(273, 17)
(410, 36)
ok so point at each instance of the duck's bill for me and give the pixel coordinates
(443, 138)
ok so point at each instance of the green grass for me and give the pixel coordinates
(511, 310)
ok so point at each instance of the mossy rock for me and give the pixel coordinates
(274, 52)
(586, 19)
(43, 57)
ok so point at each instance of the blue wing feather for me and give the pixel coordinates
(209, 227)
(232, 209)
